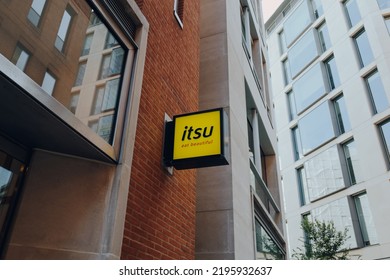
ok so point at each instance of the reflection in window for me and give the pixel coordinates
(302, 186)
(341, 114)
(323, 35)
(377, 92)
(363, 48)
(317, 8)
(337, 211)
(383, 4)
(385, 133)
(20, 57)
(309, 88)
(266, 247)
(111, 63)
(178, 10)
(366, 222)
(35, 12)
(353, 13)
(286, 72)
(49, 81)
(323, 174)
(316, 128)
(87, 44)
(292, 109)
(352, 160)
(110, 41)
(331, 71)
(74, 100)
(302, 53)
(63, 29)
(298, 21)
(297, 143)
(80, 73)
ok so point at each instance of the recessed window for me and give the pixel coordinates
(20, 57)
(385, 133)
(323, 35)
(332, 73)
(35, 12)
(363, 48)
(49, 82)
(80, 73)
(341, 114)
(387, 22)
(297, 144)
(366, 221)
(63, 29)
(352, 160)
(286, 72)
(282, 42)
(317, 8)
(302, 186)
(178, 11)
(377, 92)
(353, 13)
(383, 4)
(292, 109)
(112, 63)
(87, 44)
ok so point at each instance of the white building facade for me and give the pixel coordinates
(329, 60)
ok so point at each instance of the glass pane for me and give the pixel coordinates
(366, 221)
(323, 34)
(287, 73)
(302, 185)
(337, 211)
(364, 49)
(341, 115)
(383, 4)
(317, 8)
(48, 83)
(87, 44)
(309, 88)
(291, 105)
(385, 129)
(80, 74)
(298, 21)
(35, 12)
(352, 160)
(297, 143)
(377, 92)
(282, 42)
(266, 247)
(20, 57)
(333, 76)
(324, 174)
(316, 128)
(352, 12)
(387, 21)
(302, 53)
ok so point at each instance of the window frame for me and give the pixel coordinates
(372, 94)
(363, 61)
(178, 12)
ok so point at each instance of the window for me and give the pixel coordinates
(341, 114)
(63, 29)
(323, 35)
(297, 23)
(94, 20)
(49, 81)
(366, 222)
(105, 97)
(178, 11)
(309, 88)
(74, 100)
(282, 42)
(296, 137)
(331, 71)
(339, 212)
(353, 13)
(286, 72)
(20, 57)
(110, 41)
(352, 160)
(266, 247)
(317, 8)
(383, 4)
(363, 48)
(87, 44)
(112, 63)
(35, 12)
(377, 92)
(302, 53)
(81, 73)
(385, 133)
(324, 174)
(302, 186)
(292, 109)
(387, 22)
(316, 128)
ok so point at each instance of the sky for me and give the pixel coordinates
(269, 7)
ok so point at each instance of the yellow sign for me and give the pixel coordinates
(197, 135)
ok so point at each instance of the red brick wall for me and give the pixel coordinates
(160, 219)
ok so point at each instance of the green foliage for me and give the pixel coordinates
(322, 242)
